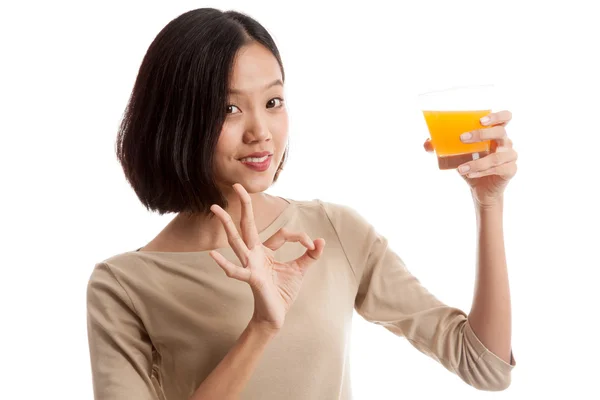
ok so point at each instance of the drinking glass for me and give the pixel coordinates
(451, 112)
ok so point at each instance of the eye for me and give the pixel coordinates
(277, 102)
(231, 109)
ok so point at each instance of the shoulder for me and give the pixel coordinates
(340, 216)
(121, 267)
(317, 206)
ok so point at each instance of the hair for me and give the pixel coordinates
(167, 138)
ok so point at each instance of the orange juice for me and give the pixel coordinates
(445, 128)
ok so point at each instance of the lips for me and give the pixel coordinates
(257, 155)
(259, 166)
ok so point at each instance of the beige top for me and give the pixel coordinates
(159, 322)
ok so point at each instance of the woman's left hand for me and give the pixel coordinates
(489, 175)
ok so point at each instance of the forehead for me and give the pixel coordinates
(254, 67)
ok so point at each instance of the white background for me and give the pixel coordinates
(353, 72)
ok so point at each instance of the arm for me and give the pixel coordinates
(490, 315)
(275, 286)
(121, 349)
(390, 296)
(230, 377)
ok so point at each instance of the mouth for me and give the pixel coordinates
(257, 163)
(256, 157)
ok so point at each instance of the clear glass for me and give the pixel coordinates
(451, 112)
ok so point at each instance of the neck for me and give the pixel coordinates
(207, 232)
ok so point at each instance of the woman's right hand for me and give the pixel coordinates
(275, 285)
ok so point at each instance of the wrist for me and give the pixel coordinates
(263, 329)
(489, 214)
(492, 204)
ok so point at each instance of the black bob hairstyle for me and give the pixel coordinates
(172, 122)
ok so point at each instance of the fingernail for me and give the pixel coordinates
(465, 136)
(464, 168)
(485, 120)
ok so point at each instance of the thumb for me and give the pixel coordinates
(428, 146)
(310, 256)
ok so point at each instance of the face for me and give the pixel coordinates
(256, 122)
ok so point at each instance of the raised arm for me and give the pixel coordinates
(490, 315)
(232, 374)
(389, 295)
(121, 349)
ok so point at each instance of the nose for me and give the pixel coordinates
(256, 129)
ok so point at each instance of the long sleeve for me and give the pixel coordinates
(389, 295)
(120, 349)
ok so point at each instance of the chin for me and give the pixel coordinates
(257, 184)
(251, 181)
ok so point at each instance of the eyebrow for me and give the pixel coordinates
(276, 82)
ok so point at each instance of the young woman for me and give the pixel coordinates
(204, 135)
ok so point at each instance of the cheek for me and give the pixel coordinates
(228, 139)
(280, 127)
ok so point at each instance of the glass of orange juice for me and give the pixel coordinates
(451, 112)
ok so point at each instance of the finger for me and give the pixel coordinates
(276, 241)
(231, 270)
(502, 155)
(506, 171)
(499, 118)
(310, 256)
(494, 144)
(504, 142)
(481, 135)
(249, 231)
(233, 237)
(283, 235)
(428, 145)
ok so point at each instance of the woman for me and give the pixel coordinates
(204, 135)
